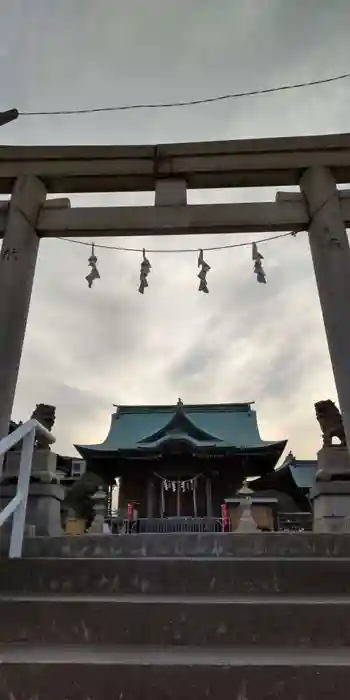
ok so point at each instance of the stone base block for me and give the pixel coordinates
(246, 522)
(43, 466)
(331, 506)
(333, 462)
(43, 507)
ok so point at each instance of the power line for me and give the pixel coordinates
(188, 103)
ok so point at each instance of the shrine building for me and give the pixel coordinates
(181, 460)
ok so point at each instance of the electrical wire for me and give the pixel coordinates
(188, 103)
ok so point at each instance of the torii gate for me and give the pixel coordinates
(317, 164)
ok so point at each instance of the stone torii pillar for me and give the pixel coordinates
(17, 267)
(331, 258)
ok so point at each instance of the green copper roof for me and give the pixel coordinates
(304, 475)
(302, 471)
(146, 428)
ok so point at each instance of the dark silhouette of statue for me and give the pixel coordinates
(331, 424)
(46, 415)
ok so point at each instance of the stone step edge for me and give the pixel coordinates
(184, 656)
(195, 558)
(163, 599)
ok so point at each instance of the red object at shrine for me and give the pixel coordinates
(225, 517)
(130, 511)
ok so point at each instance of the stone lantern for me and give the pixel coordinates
(249, 512)
(100, 511)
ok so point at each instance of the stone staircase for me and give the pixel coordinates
(183, 617)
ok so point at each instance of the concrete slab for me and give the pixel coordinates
(188, 674)
(177, 622)
(208, 577)
(279, 544)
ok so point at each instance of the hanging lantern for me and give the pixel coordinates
(94, 273)
(144, 272)
(203, 285)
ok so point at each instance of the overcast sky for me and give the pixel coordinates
(88, 349)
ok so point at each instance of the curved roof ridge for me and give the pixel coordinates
(180, 423)
(169, 408)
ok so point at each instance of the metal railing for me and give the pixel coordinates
(18, 505)
(165, 525)
(287, 522)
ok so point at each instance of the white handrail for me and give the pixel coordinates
(11, 440)
(17, 506)
(10, 508)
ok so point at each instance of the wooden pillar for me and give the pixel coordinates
(331, 258)
(150, 497)
(178, 499)
(162, 499)
(194, 493)
(17, 267)
(209, 506)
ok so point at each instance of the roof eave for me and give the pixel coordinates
(274, 448)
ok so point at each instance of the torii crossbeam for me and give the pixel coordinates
(314, 163)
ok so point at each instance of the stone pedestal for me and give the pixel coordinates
(43, 507)
(333, 462)
(44, 466)
(331, 493)
(331, 506)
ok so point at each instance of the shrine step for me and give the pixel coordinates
(61, 673)
(210, 577)
(278, 544)
(198, 622)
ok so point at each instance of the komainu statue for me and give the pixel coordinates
(46, 415)
(330, 421)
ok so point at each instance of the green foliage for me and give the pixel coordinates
(78, 497)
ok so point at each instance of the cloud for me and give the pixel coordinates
(87, 349)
